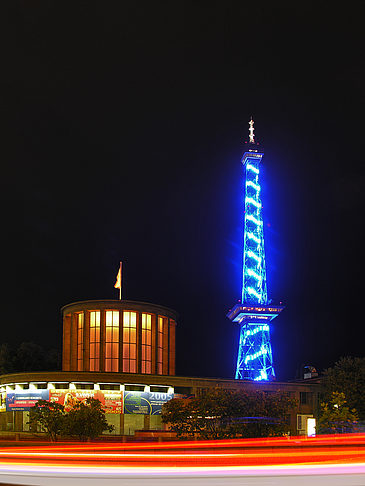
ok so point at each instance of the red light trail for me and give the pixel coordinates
(326, 455)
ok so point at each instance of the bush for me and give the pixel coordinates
(49, 416)
(223, 414)
(86, 420)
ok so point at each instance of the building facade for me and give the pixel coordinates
(133, 402)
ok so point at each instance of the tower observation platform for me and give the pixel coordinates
(255, 312)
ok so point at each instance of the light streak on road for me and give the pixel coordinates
(328, 460)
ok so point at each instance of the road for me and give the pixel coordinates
(327, 460)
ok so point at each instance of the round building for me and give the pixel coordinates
(120, 336)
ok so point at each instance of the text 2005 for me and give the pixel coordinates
(160, 396)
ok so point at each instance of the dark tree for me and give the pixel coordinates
(6, 359)
(336, 417)
(28, 357)
(347, 376)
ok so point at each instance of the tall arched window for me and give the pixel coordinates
(112, 341)
(94, 341)
(80, 340)
(129, 342)
(146, 343)
(162, 345)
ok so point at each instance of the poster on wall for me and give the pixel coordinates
(3, 402)
(23, 401)
(111, 400)
(146, 403)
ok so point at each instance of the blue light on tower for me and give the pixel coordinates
(254, 359)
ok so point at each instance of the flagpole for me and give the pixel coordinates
(120, 288)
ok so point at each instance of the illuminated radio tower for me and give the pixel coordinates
(254, 360)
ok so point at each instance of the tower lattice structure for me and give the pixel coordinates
(254, 314)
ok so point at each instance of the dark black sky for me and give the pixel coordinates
(122, 130)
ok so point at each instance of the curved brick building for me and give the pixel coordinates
(119, 336)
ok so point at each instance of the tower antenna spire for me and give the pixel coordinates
(251, 130)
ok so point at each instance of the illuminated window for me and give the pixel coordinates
(111, 340)
(129, 342)
(80, 340)
(161, 331)
(94, 341)
(146, 343)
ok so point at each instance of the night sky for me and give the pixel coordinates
(122, 133)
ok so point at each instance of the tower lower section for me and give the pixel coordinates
(254, 358)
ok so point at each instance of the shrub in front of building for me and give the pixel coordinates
(86, 420)
(221, 414)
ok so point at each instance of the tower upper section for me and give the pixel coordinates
(254, 290)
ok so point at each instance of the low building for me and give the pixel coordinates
(123, 353)
(133, 401)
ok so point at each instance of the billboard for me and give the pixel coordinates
(24, 400)
(132, 402)
(111, 400)
(146, 403)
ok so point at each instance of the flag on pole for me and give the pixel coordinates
(118, 283)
